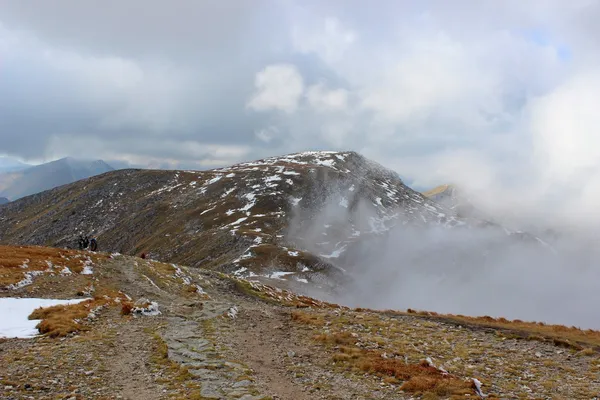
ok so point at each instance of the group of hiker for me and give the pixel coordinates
(86, 242)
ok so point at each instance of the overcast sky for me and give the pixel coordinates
(501, 95)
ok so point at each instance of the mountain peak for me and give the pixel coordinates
(38, 178)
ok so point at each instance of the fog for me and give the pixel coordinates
(466, 270)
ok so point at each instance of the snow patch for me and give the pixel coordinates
(279, 275)
(14, 313)
(27, 280)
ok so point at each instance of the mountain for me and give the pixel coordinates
(3, 200)
(305, 217)
(454, 199)
(8, 164)
(21, 183)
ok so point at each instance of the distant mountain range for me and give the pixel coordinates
(8, 164)
(19, 180)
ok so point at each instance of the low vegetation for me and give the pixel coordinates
(560, 335)
(415, 377)
(16, 261)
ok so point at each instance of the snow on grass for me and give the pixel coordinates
(478, 390)
(295, 200)
(87, 267)
(231, 175)
(325, 163)
(14, 313)
(208, 210)
(65, 271)
(214, 180)
(378, 201)
(180, 274)
(293, 253)
(228, 192)
(251, 197)
(27, 280)
(87, 270)
(239, 221)
(302, 280)
(279, 275)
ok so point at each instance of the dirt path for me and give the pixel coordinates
(263, 340)
(130, 362)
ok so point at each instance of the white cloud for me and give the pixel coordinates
(322, 99)
(278, 87)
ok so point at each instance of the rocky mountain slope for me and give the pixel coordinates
(143, 329)
(298, 218)
(21, 182)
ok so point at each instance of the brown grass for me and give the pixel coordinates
(126, 307)
(306, 318)
(417, 378)
(12, 258)
(560, 335)
(62, 320)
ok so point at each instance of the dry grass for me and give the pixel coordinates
(413, 377)
(16, 260)
(416, 378)
(305, 318)
(62, 320)
(560, 335)
(126, 307)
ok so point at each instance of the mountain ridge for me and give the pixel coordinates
(296, 219)
(38, 178)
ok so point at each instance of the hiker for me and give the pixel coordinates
(93, 244)
(86, 242)
(143, 256)
(80, 242)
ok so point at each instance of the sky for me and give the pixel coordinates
(499, 97)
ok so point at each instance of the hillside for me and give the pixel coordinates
(233, 218)
(142, 329)
(22, 182)
(297, 219)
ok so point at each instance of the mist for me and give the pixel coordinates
(470, 270)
